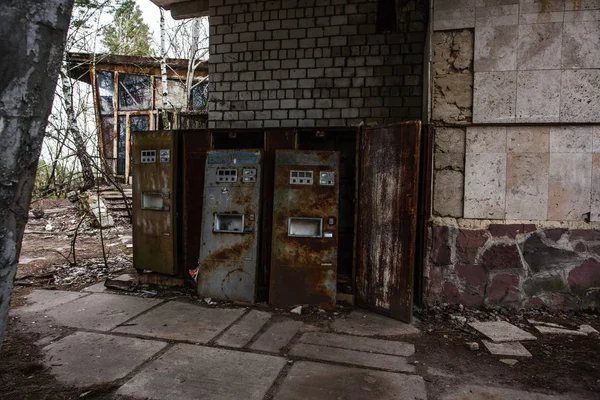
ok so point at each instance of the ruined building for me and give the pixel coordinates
(510, 90)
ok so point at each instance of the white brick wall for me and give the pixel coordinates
(312, 63)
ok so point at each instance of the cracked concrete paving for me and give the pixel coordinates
(173, 350)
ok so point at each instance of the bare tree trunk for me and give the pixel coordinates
(75, 133)
(192, 59)
(33, 36)
(163, 71)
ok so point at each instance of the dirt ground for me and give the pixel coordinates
(559, 364)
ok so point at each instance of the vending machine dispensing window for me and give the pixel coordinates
(305, 212)
(230, 225)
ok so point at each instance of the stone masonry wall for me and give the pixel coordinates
(517, 154)
(287, 63)
(515, 265)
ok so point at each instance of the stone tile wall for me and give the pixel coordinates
(531, 173)
(317, 63)
(515, 265)
(531, 64)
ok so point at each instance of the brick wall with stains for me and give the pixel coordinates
(516, 192)
(312, 63)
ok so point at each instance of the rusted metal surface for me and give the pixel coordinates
(230, 225)
(304, 269)
(425, 180)
(275, 139)
(388, 218)
(195, 146)
(154, 202)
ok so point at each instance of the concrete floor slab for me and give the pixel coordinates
(501, 331)
(277, 336)
(183, 321)
(308, 380)
(558, 331)
(100, 311)
(42, 300)
(100, 288)
(365, 323)
(197, 372)
(487, 393)
(244, 330)
(344, 356)
(84, 359)
(512, 349)
(359, 343)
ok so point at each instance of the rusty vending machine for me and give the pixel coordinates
(305, 229)
(230, 225)
(154, 201)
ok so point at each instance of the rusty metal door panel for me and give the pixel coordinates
(230, 225)
(196, 145)
(275, 139)
(305, 229)
(387, 218)
(154, 201)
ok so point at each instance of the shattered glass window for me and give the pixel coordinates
(200, 96)
(106, 91)
(122, 145)
(108, 136)
(134, 92)
(139, 123)
(176, 94)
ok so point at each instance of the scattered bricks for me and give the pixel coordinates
(540, 257)
(511, 230)
(473, 275)
(440, 248)
(504, 289)
(468, 243)
(585, 276)
(502, 256)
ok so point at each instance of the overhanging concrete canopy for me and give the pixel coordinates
(182, 9)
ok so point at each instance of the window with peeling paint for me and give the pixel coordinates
(108, 135)
(200, 96)
(122, 145)
(134, 92)
(106, 89)
(176, 94)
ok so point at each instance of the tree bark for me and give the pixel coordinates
(33, 35)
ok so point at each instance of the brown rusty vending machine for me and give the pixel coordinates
(154, 201)
(230, 225)
(305, 229)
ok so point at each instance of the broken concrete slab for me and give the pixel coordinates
(345, 356)
(558, 331)
(244, 330)
(359, 343)
(588, 329)
(277, 336)
(100, 311)
(509, 361)
(100, 288)
(364, 323)
(196, 372)
(501, 331)
(182, 321)
(472, 392)
(84, 359)
(308, 380)
(42, 300)
(512, 349)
